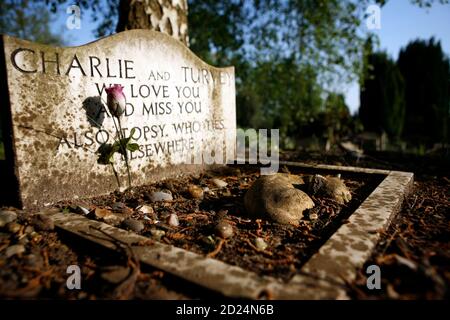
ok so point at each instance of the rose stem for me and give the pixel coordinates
(124, 149)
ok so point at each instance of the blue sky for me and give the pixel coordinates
(401, 22)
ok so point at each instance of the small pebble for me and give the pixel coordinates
(101, 213)
(35, 237)
(114, 219)
(160, 196)
(118, 206)
(29, 229)
(23, 240)
(7, 217)
(145, 209)
(157, 234)
(224, 230)
(173, 220)
(133, 225)
(122, 208)
(260, 244)
(195, 191)
(43, 222)
(82, 210)
(219, 183)
(13, 227)
(209, 241)
(226, 193)
(15, 249)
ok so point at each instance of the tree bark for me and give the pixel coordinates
(167, 16)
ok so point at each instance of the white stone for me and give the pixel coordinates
(145, 209)
(219, 183)
(260, 244)
(157, 234)
(160, 196)
(173, 220)
(14, 249)
(7, 217)
(83, 209)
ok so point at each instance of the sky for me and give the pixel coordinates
(400, 20)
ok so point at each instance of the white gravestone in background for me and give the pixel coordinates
(182, 110)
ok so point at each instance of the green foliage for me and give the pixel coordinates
(289, 98)
(107, 150)
(382, 96)
(337, 118)
(426, 71)
(427, 3)
(215, 30)
(284, 53)
(27, 20)
(322, 35)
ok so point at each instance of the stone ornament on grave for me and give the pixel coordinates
(53, 104)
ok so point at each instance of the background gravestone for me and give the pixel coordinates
(54, 117)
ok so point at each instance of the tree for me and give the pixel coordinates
(323, 36)
(318, 34)
(118, 15)
(288, 100)
(426, 71)
(337, 118)
(382, 105)
(27, 20)
(167, 16)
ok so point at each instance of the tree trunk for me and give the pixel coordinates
(168, 16)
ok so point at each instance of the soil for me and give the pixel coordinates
(288, 248)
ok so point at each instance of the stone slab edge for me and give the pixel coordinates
(339, 259)
(316, 166)
(213, 274)
(322, 277)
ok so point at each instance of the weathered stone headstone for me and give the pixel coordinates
(55, 120)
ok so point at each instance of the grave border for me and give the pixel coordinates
(324, 275)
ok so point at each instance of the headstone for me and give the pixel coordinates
(53, 110)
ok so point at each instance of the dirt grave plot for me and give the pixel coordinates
(258, 245)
